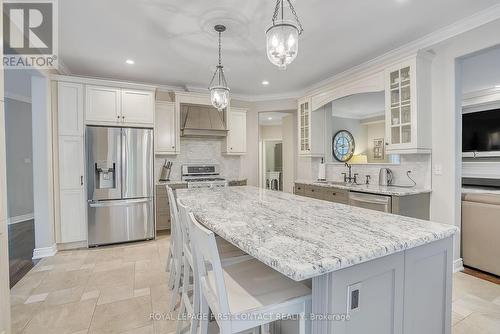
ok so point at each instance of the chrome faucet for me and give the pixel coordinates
(351, 178)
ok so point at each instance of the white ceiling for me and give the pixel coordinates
(172, 41)
(359, 106)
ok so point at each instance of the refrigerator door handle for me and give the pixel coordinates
(104, 204)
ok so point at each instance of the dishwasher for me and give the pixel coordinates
(371, 201)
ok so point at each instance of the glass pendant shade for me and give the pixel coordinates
(219, 91)
(282, 43)
(219, 97)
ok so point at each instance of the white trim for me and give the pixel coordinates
(20, 219)
(458, 265)
(103, 82)
(481, 169)
(40, 253)
(480, 100)
(17, 97)
(63, 69)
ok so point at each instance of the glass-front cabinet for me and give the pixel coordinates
(304, 123)
(408, 106)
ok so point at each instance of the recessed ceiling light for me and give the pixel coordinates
(497, 86)
(130, 61)
(265, 82)
(270, 118)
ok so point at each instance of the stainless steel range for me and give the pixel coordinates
(202, 176)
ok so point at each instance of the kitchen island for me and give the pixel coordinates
(386, 273)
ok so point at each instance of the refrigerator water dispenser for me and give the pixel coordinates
(105, 175)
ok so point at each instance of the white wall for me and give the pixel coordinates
(446, 120)
(481, 71)
(19, 158)
(270, 132)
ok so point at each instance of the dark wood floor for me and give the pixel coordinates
(21, 245)
(482, 275)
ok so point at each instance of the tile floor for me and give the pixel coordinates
(115, 290)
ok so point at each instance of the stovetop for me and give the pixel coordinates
(205, 179)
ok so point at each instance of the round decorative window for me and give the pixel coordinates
(343, 146)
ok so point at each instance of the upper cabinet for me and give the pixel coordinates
(166, 128)
(70, 108)
(408, 106)
(137, 106)
(236, 140)
(310, 129)
(112, 106)
(103, 104)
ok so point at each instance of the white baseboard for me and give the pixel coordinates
(20, 219)
(40, 253)
(458, 265)
(72, 245)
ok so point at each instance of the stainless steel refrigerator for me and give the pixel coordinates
(119, 184)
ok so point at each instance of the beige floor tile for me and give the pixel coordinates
(150, 265)
(122, 315)
(60, 280)
(110, 265)
(21, 314)
(464, 284)
(94, 294)
(36, 298)
(455, 318)
(143, 330)
(478, 324)
(145, 279)
(115, 293)
(469, 304)
(105, 255)
(67, 318)
(111, 278)
(65, 296)
(142, 292)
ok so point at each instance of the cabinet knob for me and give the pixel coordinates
(173, 146)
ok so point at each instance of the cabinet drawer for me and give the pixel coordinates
(313, 191)
(299, 189)
(336, 195)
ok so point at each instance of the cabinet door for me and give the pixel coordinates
(165, 128)
(70, 162)
(73, 227)
(70, 109)
(71, 183)
(137, 106)
(237, 134)
(304, 127)
(103, 104)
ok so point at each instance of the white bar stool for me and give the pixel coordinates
(244, 295)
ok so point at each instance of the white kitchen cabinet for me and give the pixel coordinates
(103, 104)
(137, 106)
(70, 108)
(71, 157)
(71, 189)
(311, 129)
(166, 128)
(408, 106)
(119, 106)
(236, 140)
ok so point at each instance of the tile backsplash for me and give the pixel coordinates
(419, 164)
(200, 150)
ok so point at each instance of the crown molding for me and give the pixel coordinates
(63, 69)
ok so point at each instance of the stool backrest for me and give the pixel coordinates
(208, 263)
(176, 234)
(183, 220)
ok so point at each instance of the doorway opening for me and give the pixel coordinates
(276, 150)
(19, 169)
(478, 128)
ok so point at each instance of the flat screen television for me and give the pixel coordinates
(481, 131)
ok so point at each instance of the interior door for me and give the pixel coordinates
(137, 106)
(137, 163)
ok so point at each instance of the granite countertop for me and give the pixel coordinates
(369, 188)
(304, 237)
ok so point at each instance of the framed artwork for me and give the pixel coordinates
(378, 149)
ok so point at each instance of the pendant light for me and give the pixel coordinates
(219, 91)
(283, 37)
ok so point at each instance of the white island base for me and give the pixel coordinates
(407, 292)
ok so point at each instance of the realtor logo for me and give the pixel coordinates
(29, 34)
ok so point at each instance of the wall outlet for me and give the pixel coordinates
(353, 298)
